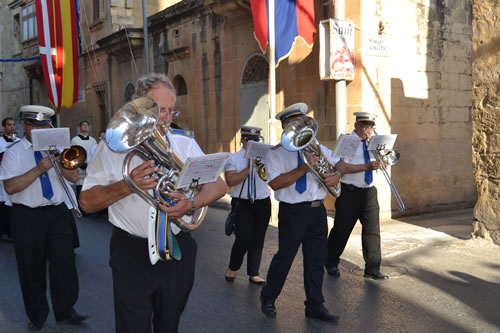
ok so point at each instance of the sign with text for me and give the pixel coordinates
(337, 59)
(378, 46)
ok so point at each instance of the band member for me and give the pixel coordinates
(250, 197)
(302, 220)
(146, 297)
(43, 226)
(8, 137)
(86, 141)
(358, 201)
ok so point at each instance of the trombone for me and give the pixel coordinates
(390, 157)
(70, 159)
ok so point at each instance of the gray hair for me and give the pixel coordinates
(147, 82)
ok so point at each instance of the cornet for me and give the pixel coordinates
(300, 135)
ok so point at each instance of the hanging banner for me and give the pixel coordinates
(58, 41)
(293, 19)
(336, 53)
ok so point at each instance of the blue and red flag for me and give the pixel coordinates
(293, 19)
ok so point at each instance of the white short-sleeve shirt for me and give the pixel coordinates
(18, 160)
(131, 213)
(280, 161)
(237, 162)
(357, 179)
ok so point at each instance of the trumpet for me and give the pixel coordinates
(300, 135)
(70, 159)
(388, 158)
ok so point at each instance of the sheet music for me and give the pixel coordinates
(202, 169)
(257, 150)
(49, 138)
(381, 142)
(346, 146)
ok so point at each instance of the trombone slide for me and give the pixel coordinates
(401, 204)
(62, 181)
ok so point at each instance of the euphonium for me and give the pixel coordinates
(133, 129)
(300, 135)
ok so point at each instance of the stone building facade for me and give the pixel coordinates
(421, 89)
(486, 118)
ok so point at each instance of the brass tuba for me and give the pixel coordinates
(133, 129)
(300, 135)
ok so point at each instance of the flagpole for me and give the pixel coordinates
(272, 98)
(272, 75)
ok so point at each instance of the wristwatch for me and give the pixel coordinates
(193, 208)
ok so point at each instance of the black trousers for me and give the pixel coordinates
(299, 224)
(5, 220)
(356, 204)
(252, 221)
(149, 297)
(42, 235)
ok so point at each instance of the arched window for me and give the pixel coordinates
(129, 92)
(256, 70)
(180, 85)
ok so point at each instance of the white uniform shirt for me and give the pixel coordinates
(87, 144)
(131, 213)
(280, 161)
(4, 145)
(18, 160)
(357, 179)
(237, 162)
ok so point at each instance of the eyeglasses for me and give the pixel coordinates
(174, 113)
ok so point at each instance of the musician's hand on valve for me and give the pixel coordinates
(332, 179)
(182, 206)
(143, 175)
(312, 159)
(45, 164)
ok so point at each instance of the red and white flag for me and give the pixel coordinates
(58, 41)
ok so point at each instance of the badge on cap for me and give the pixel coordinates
(251, 132)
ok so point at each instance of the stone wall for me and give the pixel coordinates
(486, 118)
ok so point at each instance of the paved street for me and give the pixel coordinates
(440, 282)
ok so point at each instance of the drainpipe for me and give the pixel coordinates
(145, 28)
(340, 85)
(109, 107)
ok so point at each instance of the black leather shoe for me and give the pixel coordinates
(376, 276)
(323, 315)
(74, 318)
(333, 271)
(267, 307)
(34, 327)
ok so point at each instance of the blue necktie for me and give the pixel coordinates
(368, 173)
(301, 183)
(44, 179)
(252, 186)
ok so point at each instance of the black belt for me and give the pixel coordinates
(309, 204)
(122, 232)
(352, 188)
